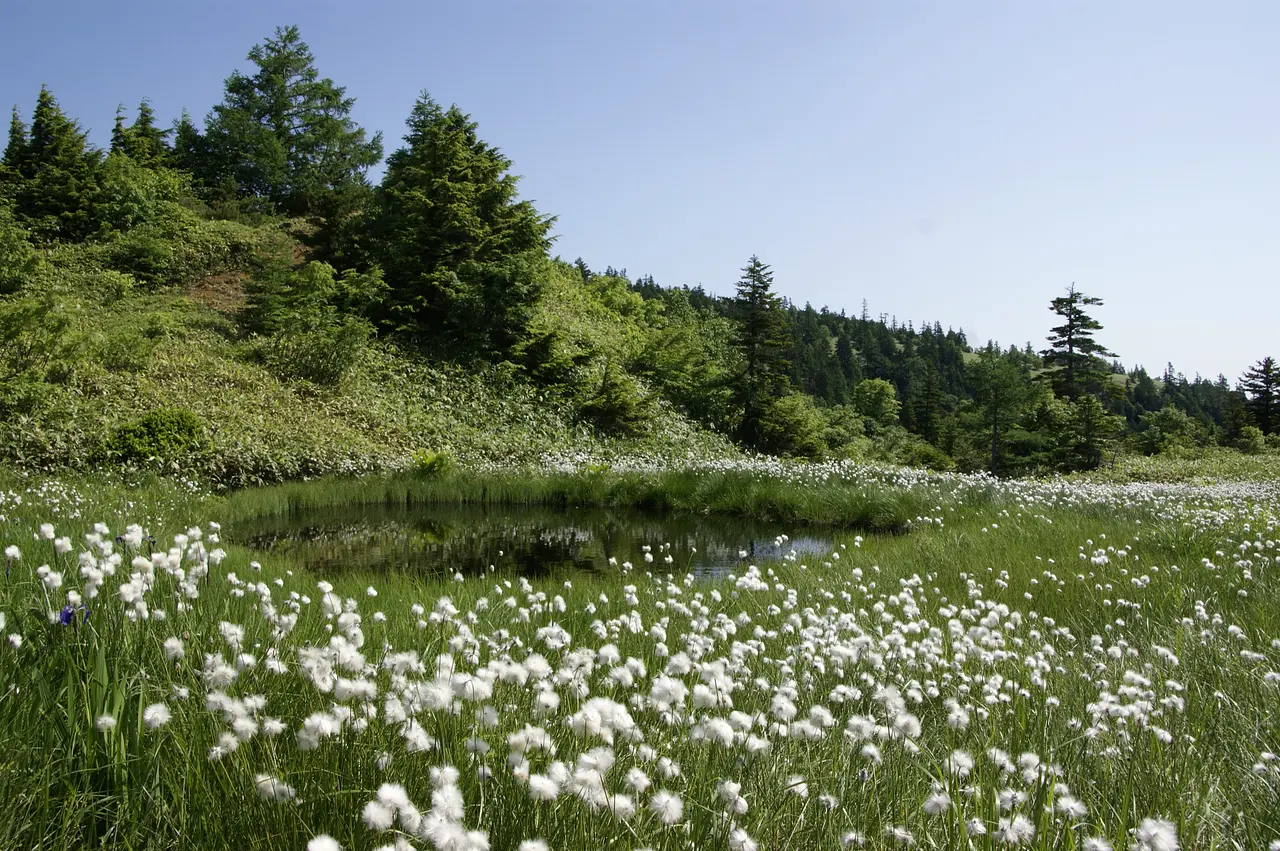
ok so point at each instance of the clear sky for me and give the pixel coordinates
(958, 161)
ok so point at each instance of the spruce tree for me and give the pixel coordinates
(144, 142)
(764, 340)
(449, 232)
(1262, 385)
(16, 152)
(285, 135)
(59, 175)
(1074, 358)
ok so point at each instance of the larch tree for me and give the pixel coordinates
(1261, 384)
(1074, 359)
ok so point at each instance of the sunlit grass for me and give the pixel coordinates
(1120, 646)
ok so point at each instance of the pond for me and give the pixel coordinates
(531, 541)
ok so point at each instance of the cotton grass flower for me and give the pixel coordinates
(1156, 834)
(323, 842)
(667, 806)
(105, 723)
(273, 789)
(156, 716)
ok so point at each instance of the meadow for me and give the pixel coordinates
(1052, 664)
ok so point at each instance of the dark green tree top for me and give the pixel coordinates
(1074, 358)
(447, 202)
(143, 142)
(1262, 384)
(764, 339)
(285, 134)
(57, 175)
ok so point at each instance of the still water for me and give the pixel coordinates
(533, 541)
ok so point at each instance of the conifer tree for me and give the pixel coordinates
(1074, 357)
(13, 166)
(449, 231)
(285, 135)
(1262, 384)
(58, 173)
(764, 340)
(143, 142)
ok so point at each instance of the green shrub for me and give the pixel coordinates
(618, 406)
(793, 426)
(1251, 440)
(320, 355)
(430, 464)
(165, 434)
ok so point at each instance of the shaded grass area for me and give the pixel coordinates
(863, 506)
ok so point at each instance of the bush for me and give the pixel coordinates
(320, 355)
(1251, 440)
(165, 434)
(618, 406)
(429, 464)
(793, 426)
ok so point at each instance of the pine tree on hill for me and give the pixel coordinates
(284, 135)
(1262, 385)
(450, 233)
(57, 175)
(764, 341)
(1074, 358)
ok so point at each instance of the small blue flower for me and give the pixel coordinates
(87, 610)
(68, 616)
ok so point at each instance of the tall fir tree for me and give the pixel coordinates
(449, 231)
(285, 135)
(143, 142)
(57, 176)
(763, 340)
(1074, 358)
(13, 166)
(1262, 385)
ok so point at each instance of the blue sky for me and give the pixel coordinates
(957, 161)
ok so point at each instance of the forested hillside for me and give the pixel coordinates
(235, 297)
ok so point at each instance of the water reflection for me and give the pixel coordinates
(533, 541)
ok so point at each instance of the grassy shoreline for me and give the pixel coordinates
(738, 494)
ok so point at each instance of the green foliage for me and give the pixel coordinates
(311, 317)
(164, 435)
(448, 200)
(690, 359)
(132, 194)
(845, 434)
(792, 426)
(876, 401)
(142, 142)
(38, 348)
(18, 258)
(54, 174)
(763, 341)
(1074, 358)
(1251, 441)
(1262, 385)
(618, 405)
(284, 135)
(1087, 434)
(180, 249)
(1002, 389)
(426, 463)
(1167, 428)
